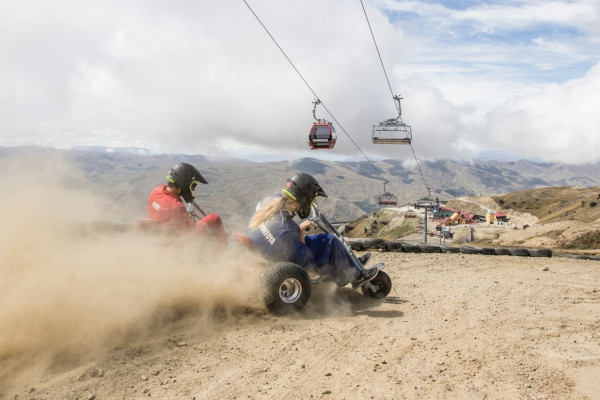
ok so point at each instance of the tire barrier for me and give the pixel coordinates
(470, 250)
(355, 245)
(405, 247)
(410, 248)
(579, 257)
(371, 243)
(449, 249)
(502, 251)
(540, 252)
(392, 246)
(488, 251)
(518, 251)
(429, 248)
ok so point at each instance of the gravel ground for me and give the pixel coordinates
(454, 326)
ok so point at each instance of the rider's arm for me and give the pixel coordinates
(303, 226)
(297, 251)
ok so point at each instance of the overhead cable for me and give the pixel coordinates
(315, 94)
(397, 105)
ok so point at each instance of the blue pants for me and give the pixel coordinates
(332, 258)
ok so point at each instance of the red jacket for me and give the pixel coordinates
(166, 206)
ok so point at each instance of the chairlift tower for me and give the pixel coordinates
(427, 204)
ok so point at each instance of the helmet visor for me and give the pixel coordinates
(193, 187)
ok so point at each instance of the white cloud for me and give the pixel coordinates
(204, 77)
(560, 122)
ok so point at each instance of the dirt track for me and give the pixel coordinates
(454, 326)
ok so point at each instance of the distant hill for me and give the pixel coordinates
(554, 204)
(236, 185)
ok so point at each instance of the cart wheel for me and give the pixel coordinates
(378, 287)
(287, 288)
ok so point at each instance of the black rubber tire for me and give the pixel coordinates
(449, 249)
(488, 251)
(502, 251)
(539, 252)
(355, 245)
(287, 288)
(429, 248)
(410, 248)
(383, 286)
(518, 251)
(392, 246)
(578, 256)
(371, 243)
(470, 250)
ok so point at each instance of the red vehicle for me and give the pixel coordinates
(322, 133)
(322, 136)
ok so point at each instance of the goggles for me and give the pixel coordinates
(193, 187)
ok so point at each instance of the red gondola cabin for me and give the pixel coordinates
(322, 136)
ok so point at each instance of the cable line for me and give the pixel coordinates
(314, 93)
(396, 104)
(379, 54)
(418, 167)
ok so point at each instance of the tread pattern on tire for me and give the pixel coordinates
(272, 279)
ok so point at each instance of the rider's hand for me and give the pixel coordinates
(304, 227)
(307, 225)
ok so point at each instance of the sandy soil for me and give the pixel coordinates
(454, 326)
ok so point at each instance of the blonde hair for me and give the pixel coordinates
(268, 210)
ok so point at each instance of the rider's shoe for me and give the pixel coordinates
(365, 276)
(364, 259)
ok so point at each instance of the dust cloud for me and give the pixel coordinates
(73, 285)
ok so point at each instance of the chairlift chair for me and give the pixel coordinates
(322, 133)
(393, 130)
(387, 198)
(426, 202)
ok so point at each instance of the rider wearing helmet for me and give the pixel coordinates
(279, 238)
(165, 204)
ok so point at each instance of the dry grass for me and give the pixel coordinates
(555, 204)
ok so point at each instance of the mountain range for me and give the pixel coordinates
(124, 178)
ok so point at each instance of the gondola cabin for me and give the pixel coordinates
(322, 136)
(392, 132)
(388, 199)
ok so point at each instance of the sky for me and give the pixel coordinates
(506, 79)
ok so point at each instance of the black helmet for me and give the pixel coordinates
(186, 177)
(303, 188)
